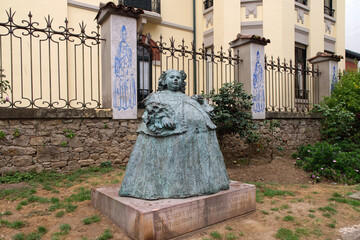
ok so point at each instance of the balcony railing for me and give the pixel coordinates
(149, 5)
(208, 4)
(304, 2)
(329, 11)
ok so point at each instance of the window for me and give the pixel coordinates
(208, 4)
(302, 1)
(149, 5)
(328, 8)
(300, 74)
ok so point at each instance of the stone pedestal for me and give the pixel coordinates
(328, 66)
(168, 218)
(252, 70)
(119, 59)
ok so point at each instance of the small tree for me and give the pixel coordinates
(232, 112)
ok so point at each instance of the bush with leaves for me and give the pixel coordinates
(341, 111)
(232, 112)
(331, 161)
(337, 157)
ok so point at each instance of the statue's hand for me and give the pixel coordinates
(168, 123)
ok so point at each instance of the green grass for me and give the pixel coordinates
(286, 234)
(16, 224)
(216, 235)
(336, 194)
(42, 229)
(259, 196)
(65, 227)
(328, 209)
(6, 213)
(352, 202)
(228, 228)
(81, 195)
(50, 178)
(274, 209)
(288, 218)
(64, 230)
(311, 215)
(91, 219)
(265, 212)
(312, 210)
(284, 206)
(31, 236)
(304, 186)
(105, 235)
(230, 236)
(16, 193)
(302, 232)
(326, 214)
(272, 193)
(331, 225)
(59, 214)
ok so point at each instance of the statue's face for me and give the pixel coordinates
(173, 80)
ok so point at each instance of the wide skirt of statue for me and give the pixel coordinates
(176, 166)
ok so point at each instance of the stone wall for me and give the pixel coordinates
(42, 144)
(294, 130)
(37, 140)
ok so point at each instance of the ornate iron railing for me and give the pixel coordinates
(149, 5)
(206, 69)
(288, 88)
(329, 11)
(48, 67)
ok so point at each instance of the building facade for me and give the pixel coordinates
(297, 29)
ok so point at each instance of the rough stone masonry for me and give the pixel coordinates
(42, 144)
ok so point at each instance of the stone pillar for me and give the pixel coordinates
(252, 69)
(119, 59)
(328, 68)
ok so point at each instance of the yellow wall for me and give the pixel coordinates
(340, 32)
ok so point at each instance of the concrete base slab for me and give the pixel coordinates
(169, 218)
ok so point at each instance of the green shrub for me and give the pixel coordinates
(347, 90)
(341, 111)
(232, 113)
(331, 161)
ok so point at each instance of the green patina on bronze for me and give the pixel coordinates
(176, 154)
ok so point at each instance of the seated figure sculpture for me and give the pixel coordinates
(176, 154)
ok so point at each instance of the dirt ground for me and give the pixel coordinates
(303, 206)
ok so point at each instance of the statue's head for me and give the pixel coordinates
(172, 80)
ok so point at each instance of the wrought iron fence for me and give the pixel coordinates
(290, 88)
(48, 67)
(206, 69)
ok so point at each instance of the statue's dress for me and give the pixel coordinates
(175, 163)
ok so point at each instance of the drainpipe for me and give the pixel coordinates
(194, 41)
